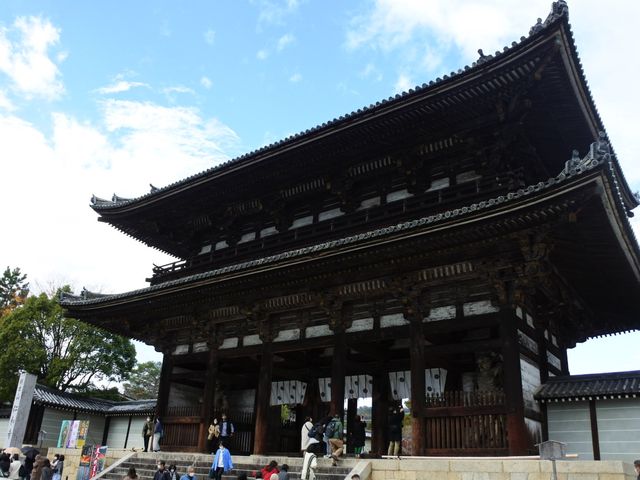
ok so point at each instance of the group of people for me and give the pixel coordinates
(152, 433)
(219, 431)
(164, 473)
(34, 466)
(326, 437)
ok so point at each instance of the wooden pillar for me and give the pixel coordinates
(105, 432)
(165, 384)
(263, 397)
(543, 363)
(338, 369)
(380, 411)
(126, 438)
(517, 433)
(352, 411)
(207, 398)
(595, 437)
(418, 388)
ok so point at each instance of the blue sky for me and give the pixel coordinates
(104, 97)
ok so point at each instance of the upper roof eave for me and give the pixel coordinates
(557, 20)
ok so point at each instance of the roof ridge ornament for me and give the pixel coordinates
(558, 9)
(483, 58)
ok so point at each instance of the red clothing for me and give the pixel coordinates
(266, 473)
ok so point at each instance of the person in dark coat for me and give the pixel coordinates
(395, 431)
(46, 472)
(358, 435)
(162, 473)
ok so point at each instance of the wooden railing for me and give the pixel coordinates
(475, 190)
(466, 423)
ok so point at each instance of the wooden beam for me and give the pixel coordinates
(337, 374)
(595, 437)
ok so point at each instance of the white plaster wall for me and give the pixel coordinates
(118, 432)
(569, 422)
(619, 429)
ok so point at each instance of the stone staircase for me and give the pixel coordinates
(145, 465)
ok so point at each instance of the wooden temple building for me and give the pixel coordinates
(446, 245)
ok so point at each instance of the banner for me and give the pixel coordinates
(73, 433)
(98, 460)
(84, 467)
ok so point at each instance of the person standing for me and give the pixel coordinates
(226, 429)
(221, 461)
(305, 438)
(190, 475)
(636, 465)
(46, 472)
(214, 435)
(58, 467)
(396, 418)
(147, 434)
(14, 467)
(158, 433)
(358, 435)
(131, 474)
(309, 465)
(161, 473)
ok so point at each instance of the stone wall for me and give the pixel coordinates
(497, 469)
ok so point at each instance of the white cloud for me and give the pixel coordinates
(5, 103)
(274, 12)
(210, 36)
(206, 82)
(285, 40)
(370, 71)
(131, 145)
(24, 58)
(177, 89)
(262, 54)
(120, 86)
(295, 78)
(403, 83)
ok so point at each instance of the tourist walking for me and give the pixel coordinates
(147, 434)
(270, 469)
(309, 465)
(306, 433)
(214, 435)
(131, 474)
(173, 473)
(222, 462)
(158, 433)
(284, 472)
(335, 431)
(226, 429)
(161, 473)
(36, 464)
(190, 475)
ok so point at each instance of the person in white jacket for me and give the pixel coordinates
(304, 434)
(309, 465)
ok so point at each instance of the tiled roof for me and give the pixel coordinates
(574, 168)
(67, 401)
(559, 12)
(594, 386)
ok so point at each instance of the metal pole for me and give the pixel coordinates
(554, 474)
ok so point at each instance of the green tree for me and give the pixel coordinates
(144, 381)
(64, 353)
(13, 289)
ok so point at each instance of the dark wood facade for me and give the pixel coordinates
(448, 228)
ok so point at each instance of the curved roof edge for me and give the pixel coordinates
(597, 156)
(559, 14)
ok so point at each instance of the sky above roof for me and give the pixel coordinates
(110, 97)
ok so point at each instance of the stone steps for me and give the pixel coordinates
(145, 465)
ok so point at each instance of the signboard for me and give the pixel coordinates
(20, 410)
(73, 433)
(92, 461)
